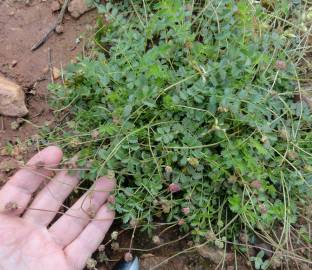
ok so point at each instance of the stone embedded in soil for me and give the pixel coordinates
(59, 29)
(56, 73)
(14, 63)
(77, 8)
(55, 6)
(213, 254)
(12, 99)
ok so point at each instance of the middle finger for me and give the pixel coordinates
(82, 212)
(49, 200)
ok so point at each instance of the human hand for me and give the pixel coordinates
(28, 240)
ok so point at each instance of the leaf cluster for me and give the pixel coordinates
(199, 94)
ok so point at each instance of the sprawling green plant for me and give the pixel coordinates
(190, 105)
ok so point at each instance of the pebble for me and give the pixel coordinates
(59, 29)
(213, 254)
(55, 6)
(56, 73)
(77, 8)
(14, 63)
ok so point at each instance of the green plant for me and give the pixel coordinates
(259, 262)
(190, 105)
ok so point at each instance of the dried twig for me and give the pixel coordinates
(50, 64)
(2, 125)
(52, 29)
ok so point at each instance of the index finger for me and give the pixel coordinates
(19, 189)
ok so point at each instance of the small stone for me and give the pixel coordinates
(77, 8)
(59, 29)
(213, 254)
(75, 14)
(55, 6)
(12, 13)
(12, 99)
(56, 73)
(14, 63)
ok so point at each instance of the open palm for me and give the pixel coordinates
(28, 240)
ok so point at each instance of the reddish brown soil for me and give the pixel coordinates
(21, 25)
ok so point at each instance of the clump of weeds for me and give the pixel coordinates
(197, 109)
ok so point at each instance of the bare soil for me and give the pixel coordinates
(21, 25)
